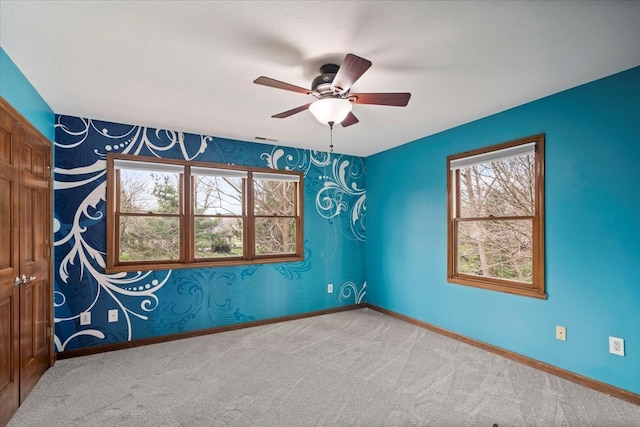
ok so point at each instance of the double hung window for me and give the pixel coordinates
(496, 217)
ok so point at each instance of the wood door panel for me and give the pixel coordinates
(39, 165)
(32, 328)
(9, 378)
(9, 358)
(9, 266)
(39, 210)
(7, 326)
(6, 154)
(40, 312)
(35, 264)
(26, 326)
(6, 222)
(26, 235)
(27, 159)
(9, 206)
(33, 343)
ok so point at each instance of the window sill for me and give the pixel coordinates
(500, 287)
(200, 264)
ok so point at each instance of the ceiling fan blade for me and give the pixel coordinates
(350, 120)
(351, 69)
(399, 99)
(291, 112)
(267, 81)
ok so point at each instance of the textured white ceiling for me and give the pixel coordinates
(189, 65)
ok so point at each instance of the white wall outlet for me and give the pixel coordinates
(616, 346)
(85, 318)
(561, 333)
(330, 288)
(113, 315)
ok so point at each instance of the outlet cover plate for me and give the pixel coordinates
(616, 346)
(330, 288)
(561, 333)
(113, 315)
(85, 318)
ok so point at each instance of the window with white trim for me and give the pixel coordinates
(164, 213)
(496, 217)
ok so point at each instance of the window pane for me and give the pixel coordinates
(144, 238)
(497, 249)
(217, 195)
(218, 237)
(274, 197)
(501, 188)
(149, 192)
(275, 236)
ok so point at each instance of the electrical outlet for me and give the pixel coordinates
(561, 333)
(330, 288)
(113, 315)
(85, 318)
(616, 346)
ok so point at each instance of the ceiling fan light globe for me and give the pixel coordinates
(330, 110)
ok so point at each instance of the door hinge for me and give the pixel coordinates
(50, 171)
(50, 331)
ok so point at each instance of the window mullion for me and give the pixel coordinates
(249, 224)
(115, 232)
(497, 218)
(456, 200)
(299, 226)
(186, 214)
(453, 248)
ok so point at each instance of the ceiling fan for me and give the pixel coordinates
(332, 88)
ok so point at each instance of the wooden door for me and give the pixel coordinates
(9, 268)
(26, 299)
(35, 254)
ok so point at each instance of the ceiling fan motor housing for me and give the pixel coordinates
(322, 83)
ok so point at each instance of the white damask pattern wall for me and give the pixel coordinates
(156, 303)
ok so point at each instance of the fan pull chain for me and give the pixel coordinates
(331, 145)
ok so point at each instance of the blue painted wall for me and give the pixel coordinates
(16, 89)
(156, 303)
(592, 232)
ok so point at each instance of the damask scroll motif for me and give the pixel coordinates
(350, 290)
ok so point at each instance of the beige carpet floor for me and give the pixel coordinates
(355, 368)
